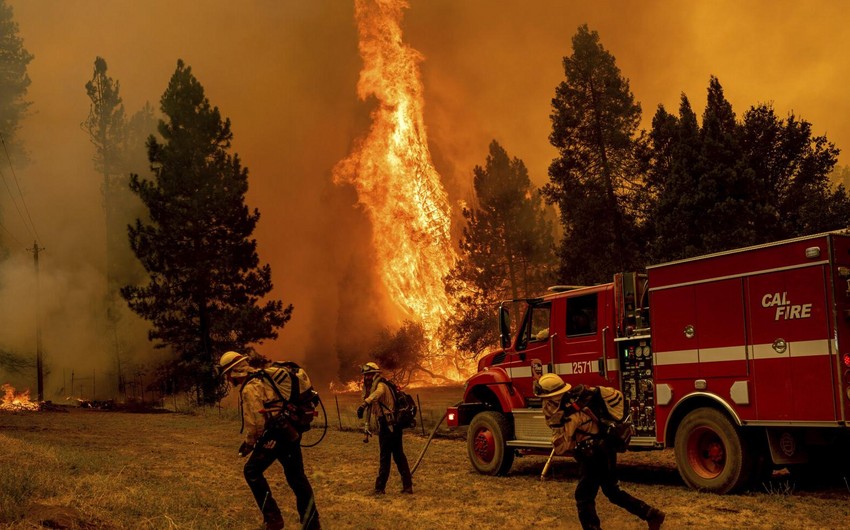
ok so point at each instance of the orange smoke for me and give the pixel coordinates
(392, 171)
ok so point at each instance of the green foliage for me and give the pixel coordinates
(791, 167)
(206, 286)
(14, 80)
(729, 184)
(594, 179)
(506, 251)
(683, 188)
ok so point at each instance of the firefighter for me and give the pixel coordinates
(379, 402)
(269, 437)
(576, 431)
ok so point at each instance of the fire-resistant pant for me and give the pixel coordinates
(598, 468)
(391, 444)
(289, 455)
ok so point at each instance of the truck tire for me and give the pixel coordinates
(485, 443)
(710, 452)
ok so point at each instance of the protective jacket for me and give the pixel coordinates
(379, 399)
(569, 427)
(253, 396)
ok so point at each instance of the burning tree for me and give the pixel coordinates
(205, 282)
(395, 179)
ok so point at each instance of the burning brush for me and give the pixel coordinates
(17, 401)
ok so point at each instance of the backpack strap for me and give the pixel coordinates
(292, 369)
(393, 392)
(262, 374)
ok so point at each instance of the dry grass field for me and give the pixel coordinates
(91, 469)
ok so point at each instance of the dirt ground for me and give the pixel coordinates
(94, 469)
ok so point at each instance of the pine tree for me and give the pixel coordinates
(206, 286)
(14, 82)
(792, 168)
(593, 180)
(119, 144)
(506, 250)
(674, 221)
(729, 184)
(726, 185)
(107, 128)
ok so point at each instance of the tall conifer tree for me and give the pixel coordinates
(206, 287)
(14, 81)
(593, 180)
(507, 250)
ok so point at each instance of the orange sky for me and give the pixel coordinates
(284, 72)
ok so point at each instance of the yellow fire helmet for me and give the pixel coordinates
(233, 361)
(550, 385)
(370, 368)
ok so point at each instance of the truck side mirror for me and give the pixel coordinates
(504, 326)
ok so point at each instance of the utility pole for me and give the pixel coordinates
(38, 360)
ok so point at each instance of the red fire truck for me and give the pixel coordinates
(739, 360)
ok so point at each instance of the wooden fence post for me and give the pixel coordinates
(421, 423)
(338, 415)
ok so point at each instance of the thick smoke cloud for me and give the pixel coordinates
(285, 73)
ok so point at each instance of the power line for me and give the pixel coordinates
(11, 234)
(32, 231)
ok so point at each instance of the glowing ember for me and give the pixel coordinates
(16, 401)
(395, 179)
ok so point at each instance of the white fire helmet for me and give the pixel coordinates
(234, 364)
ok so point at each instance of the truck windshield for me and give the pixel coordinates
(536, 325)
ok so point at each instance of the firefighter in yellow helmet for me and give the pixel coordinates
(575, 431)
(379, 402)
(268, 437)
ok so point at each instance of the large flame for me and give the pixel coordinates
(16, 401)
(395, 178)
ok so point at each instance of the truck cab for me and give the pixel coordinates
(575, 332)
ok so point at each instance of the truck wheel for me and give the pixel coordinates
(710, 453)
(485, 443)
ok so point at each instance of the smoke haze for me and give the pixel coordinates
(285, 73)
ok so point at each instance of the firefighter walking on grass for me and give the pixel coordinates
(576, 430)
(269, 436)
(379, 402)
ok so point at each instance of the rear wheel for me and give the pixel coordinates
(485, 443)
(710, 452)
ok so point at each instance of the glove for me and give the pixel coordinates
(360, 410)
(245, 449)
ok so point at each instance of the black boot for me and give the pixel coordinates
(655, 518)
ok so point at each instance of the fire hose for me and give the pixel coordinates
(428, 443)
(546, 466)
(324, 429)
